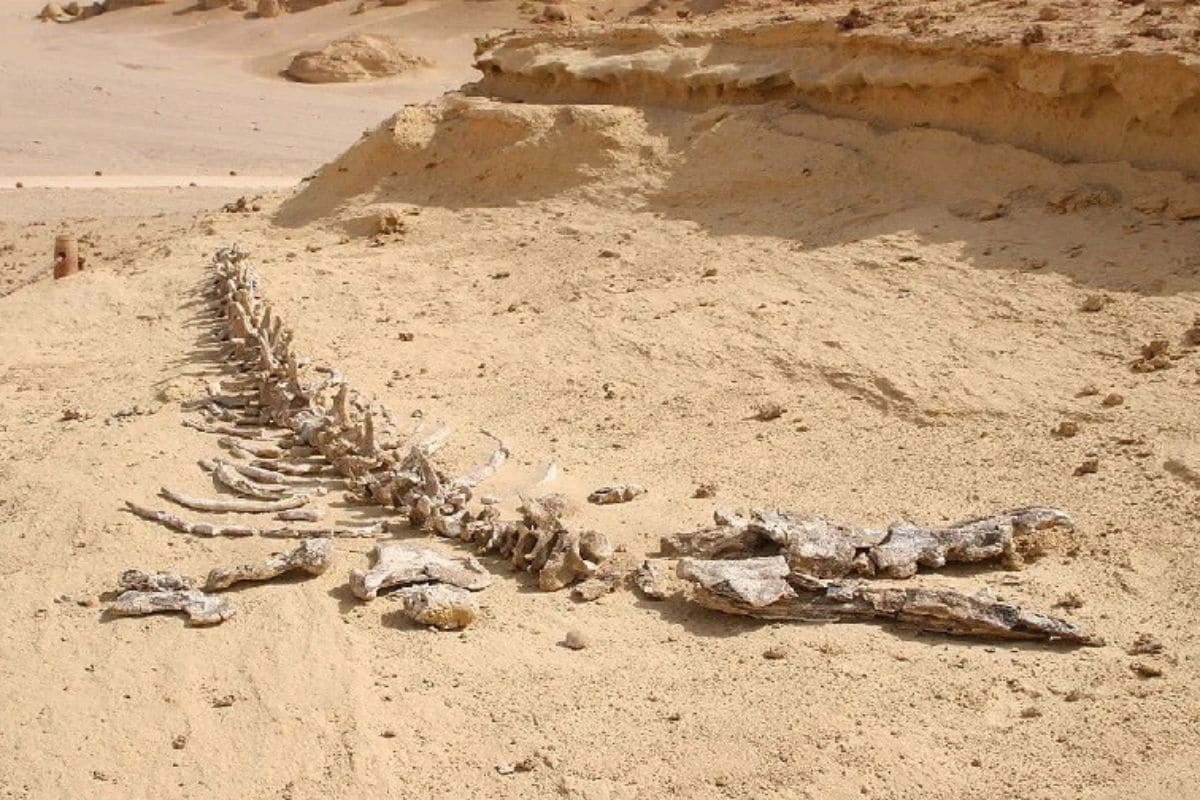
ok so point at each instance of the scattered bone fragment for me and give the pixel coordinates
(766, 588)
(201, 608)
(617, 493)
(255, 434)
(183, 526)
(266, 475)
(334, 532)
(440, 605)
(233, 505)
(650, 581)
(730, 537)
(231, 478)
(312, 556)
(311, 514)
(828, 549)
(138, 581)
(296, 470)
(399, 564)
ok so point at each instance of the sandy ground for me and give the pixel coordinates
(613, 288)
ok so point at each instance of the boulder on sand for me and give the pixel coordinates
(354, 58)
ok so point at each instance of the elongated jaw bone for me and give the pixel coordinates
(767, 588)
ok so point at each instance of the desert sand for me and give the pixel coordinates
(612, 242)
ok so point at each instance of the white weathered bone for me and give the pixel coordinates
(312, 556)
(201, 608)
(255, 449)
(229, 477)
(183, 526)
(233, 505)
(819, 546)
(310, 514)
(767, 588)
(335, 532)
(398, 564)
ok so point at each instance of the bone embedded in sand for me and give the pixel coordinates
(231, 505)
(334, 532)
(767, 588)
(201, 608)
(301, 515)
(398, 564)
(177, 523)
(822, 547)
(440, 605)
(139, 581)
(231, 478)
(312, 556)
(617, 493)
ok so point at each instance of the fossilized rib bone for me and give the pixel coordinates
(234, 505)
(313, 557)
(767, 588)
(183, 526)
(818, 546)
(398, 564)
(333, 532)
(232, 479)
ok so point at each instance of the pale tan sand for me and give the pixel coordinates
(695, 263)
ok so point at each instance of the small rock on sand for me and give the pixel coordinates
(576, 640)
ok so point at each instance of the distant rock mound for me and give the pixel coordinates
(354, 58)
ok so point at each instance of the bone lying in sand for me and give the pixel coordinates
(767, 588)
(818, 546)
(209, 529)
(618, 493)
(232, 505)
(301, 515)
(183, 526)
(397, 564)
(312, 556)
(161, 592)
(359, 439)
(231, 478)
(440, 605)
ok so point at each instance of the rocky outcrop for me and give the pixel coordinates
(1133, 107)
(354, 58)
